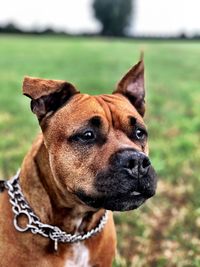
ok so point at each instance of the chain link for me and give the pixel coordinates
(20, 207)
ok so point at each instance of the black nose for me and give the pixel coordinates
(136, 163)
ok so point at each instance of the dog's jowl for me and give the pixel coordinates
(90, 159)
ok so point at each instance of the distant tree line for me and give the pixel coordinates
(14, 29)
(11, 28)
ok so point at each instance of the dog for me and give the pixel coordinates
(90, 159)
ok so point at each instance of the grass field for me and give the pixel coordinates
(166, 230)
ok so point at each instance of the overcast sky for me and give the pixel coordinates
(151, 16)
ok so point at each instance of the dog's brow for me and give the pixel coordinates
(132, 120)
(101, 101)
(95, 121)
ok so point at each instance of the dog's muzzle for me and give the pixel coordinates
(128, 181)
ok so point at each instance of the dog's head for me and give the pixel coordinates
(97, 145)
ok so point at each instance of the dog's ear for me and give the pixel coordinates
(132, 86)
(47, 96)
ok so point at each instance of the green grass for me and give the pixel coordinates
(166, 230)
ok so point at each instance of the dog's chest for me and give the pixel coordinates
(80, 257)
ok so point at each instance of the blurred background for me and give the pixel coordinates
(92, 43)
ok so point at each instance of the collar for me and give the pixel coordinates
(20, 207)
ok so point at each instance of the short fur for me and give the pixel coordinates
(66, 160)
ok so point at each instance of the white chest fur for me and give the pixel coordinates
(80, 256)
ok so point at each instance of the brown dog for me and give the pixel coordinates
(90, 157)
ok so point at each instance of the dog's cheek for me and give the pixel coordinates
(68, 171)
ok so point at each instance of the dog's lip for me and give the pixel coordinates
(135, 193)
(132, 194)
(134, 198)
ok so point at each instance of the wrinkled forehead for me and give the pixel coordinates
(118, 106)
(114, 108)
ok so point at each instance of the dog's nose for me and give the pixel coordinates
(136, 163)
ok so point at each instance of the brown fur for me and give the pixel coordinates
(54, 168)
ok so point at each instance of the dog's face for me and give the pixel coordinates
(97, 145)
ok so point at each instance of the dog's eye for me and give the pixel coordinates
(87, 136)
(140, 134)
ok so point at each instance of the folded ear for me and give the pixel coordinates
(47, 96)
(132, 86)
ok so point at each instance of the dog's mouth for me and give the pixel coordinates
(115, 202)
(117, 190)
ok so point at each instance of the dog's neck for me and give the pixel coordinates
(45, 198)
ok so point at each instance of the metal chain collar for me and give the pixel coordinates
(21, 207)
